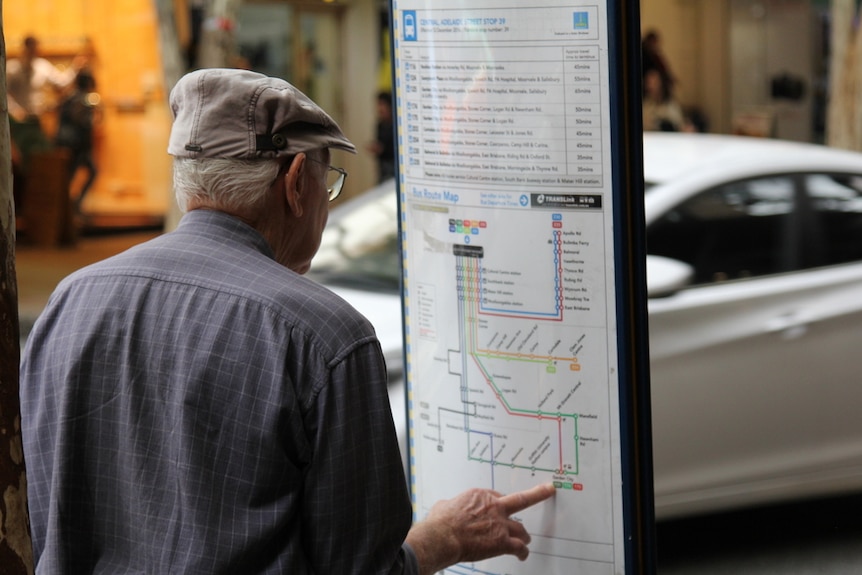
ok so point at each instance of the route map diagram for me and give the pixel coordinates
(515, 389)
(505, 181)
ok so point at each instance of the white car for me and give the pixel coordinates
(755, 313)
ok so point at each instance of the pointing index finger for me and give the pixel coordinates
(521, 500)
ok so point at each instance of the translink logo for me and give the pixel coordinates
(581, 20)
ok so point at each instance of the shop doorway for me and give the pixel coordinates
(778, 62)
(300, 44)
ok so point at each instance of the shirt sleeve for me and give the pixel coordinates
(411, 564)
(357, 510)
(55, 76)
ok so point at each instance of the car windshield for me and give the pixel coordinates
(359, 247)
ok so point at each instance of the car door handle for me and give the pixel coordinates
(789, 326)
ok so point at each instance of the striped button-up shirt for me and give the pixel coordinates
(192, 406)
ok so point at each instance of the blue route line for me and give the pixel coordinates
(558, 288)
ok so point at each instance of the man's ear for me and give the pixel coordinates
(294, 184)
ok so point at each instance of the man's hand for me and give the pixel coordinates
(474, 525)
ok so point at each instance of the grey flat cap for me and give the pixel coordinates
(227, 113)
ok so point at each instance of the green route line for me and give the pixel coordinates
(469, 310)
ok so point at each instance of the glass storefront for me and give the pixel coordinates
(297, 43)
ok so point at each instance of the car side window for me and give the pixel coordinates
(836, 202)
(738, 230)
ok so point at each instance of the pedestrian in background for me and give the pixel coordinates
(77, 115)
(383, 146)
(654, 59)
(661, 111)
(29, 78)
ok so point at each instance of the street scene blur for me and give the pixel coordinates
(752, 115)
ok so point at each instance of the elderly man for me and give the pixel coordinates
(195, 405)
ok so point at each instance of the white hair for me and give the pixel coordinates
(228, 183)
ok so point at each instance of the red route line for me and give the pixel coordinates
(537, 416)
(489, 383)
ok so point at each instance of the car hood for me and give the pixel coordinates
(383, 310)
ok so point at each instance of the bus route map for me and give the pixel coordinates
(508, 275)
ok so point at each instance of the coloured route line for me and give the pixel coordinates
(469, 286)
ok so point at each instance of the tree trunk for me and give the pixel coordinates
(16, 553)
(844, 124)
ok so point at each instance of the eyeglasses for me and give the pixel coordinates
(334, 178)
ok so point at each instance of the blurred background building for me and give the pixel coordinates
(747, 66)
(750, 66)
